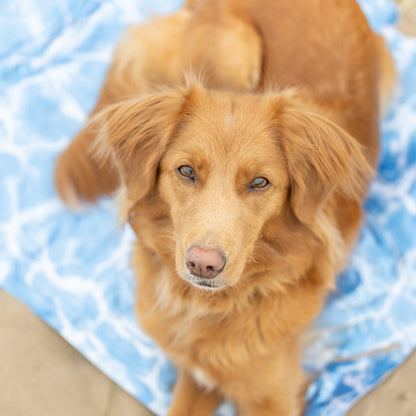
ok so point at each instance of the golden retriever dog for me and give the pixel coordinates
(244, 190)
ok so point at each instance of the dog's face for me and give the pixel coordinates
(225, 165)
(223, 176)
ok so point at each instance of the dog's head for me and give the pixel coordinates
(226, 165)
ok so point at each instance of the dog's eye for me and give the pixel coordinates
(259, 183)
(187, 172)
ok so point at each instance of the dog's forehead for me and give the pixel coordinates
(230, 111)
(230, 124)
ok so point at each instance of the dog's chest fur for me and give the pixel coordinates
(204, 342)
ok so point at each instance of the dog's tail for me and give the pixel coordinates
(388, 74)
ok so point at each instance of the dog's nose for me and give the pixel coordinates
(205, 262)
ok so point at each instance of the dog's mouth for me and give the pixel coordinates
(204, 283)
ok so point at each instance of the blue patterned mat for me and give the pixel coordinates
(73, 270)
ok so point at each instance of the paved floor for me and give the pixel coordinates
(42, 375)
(407, 22)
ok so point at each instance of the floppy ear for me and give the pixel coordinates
(135, 134)
(321, 158)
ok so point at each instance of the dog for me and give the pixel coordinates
(244, 189)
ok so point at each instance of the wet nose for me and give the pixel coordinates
(205, 262)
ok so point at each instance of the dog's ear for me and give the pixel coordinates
(321, 158)
(135, 133)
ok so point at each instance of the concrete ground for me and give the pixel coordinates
(42, 375)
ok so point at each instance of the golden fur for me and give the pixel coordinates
(278, 147)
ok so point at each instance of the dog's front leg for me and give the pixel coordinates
(190, 399)
(272, 406)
